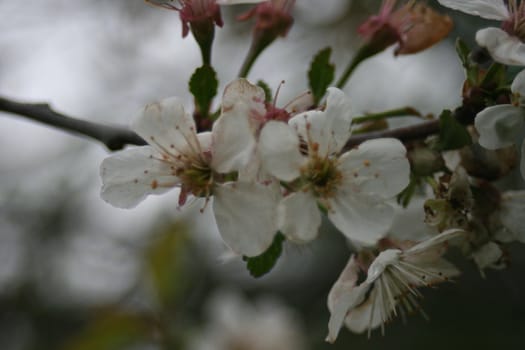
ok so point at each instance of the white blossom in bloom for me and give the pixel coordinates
(499, 126)
(505, 45)
(179, 157)
(236, 324)
(390, 287)
(353, 186)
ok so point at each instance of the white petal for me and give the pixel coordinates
(498, 126)
(512, 212)
(343, 296)
(329, 129)
(428, 244)
(503, 48)
(359, 219)
(298, 217)
(361, 318)
(279, 150)
(167, 127)
(377, 168)
(487, 255)
(518, 84)
(522, 161)
(233, 141)
(130, 175)
(242, 91)
(246, 216)
(489, 9)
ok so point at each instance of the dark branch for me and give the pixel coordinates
(116, 138)
(113, 137)
(408, 133)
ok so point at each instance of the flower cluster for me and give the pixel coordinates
(266, 169)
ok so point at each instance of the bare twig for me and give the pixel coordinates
(113, 137)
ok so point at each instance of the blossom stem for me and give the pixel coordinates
(381, 40)
(400, 112)
(259, 44)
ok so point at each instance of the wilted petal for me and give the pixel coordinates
(359, 219)
(130, 175)
(299, 218)
(343, 296)
(503, 48)
(279, 150)
(489, 9)
(498, 126)
(378, 168)
(246, 216)
(167, 127)
(242, 91)
(512, 211)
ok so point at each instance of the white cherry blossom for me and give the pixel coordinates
(505, 45)
(499, 126)
(179, 157)
(390, 287)
(353, 186)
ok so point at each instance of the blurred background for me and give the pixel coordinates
(76, 273)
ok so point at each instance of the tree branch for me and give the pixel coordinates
(113, 137)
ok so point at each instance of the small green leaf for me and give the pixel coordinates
(267, 90)
(471, 69)
(495, 76)
(463, 52)
(203, 86)
(452, 135)
(262, 264)
(321, 74)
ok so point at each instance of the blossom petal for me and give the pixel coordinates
(498, 126)
(511, 214)
(428, 244)
(344, 295)
(329, 129)
(246, 216)
(234, 133)
(359, 219)
(130, 175)
(377, 168)
(518, 84)
(166, 126)
(279, 150)
(489, 9)
(503, 48)
(522, 162)
(298, 217)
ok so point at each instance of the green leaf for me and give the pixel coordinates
(203, 86)
(321, 74)
(452, 135)
(267, 90)
(495, 77)
(471, 69)
(262, 264)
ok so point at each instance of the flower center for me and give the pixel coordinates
(515, 24)
(322, 176)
